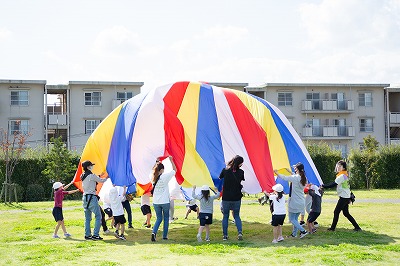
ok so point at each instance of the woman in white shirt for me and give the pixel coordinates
(161, 201)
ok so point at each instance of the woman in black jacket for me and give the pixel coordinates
(232, 177)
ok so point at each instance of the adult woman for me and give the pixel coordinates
(90, 200)
(296, 202)
(161, 201)
(343, 190)
(232, 177)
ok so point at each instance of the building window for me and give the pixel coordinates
(19, 127)
(315, 100)
(20, 98)
(123, 96)
(93, 98)
(366, 125)
(91, 125)
(365, 99)
(285, 99)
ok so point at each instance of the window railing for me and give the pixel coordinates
(328, 131)
(394, 118)
(327, 105)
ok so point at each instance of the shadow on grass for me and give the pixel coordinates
(256, 235)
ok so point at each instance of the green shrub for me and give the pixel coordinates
(34, 192)
(325, 159)
(387, 167)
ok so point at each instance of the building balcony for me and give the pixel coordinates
(395, 141)
(394, 118)
(327, 106)
(329, 132)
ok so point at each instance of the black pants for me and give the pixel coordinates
(127, 206)
(103, 219)
(343, 205)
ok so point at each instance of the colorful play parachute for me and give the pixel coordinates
(202, 127)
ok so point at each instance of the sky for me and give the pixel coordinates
(161, 42)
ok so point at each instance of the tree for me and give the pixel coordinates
(59, 166)
(11, 150)
(370, 147)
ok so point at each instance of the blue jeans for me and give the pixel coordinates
(293, 218)
(127, 206)
(226, 207)
(92, 208)
(162, 211)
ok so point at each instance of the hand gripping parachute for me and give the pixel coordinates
(202, 127)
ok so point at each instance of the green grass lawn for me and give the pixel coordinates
(26, 237)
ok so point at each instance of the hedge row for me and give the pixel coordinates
(382, 171)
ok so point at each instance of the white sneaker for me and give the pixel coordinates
(107, 232)
(199, 238)
(56, 236)
(303, 234)
(280, 239)
(274, 241)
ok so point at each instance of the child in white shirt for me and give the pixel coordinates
(118, 211)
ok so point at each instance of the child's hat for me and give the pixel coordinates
(316, 189)
(278, 188)
(205, 187)
(57, 185)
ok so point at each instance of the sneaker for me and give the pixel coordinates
(240, 237)
(107, 232)
(225, 238)
(331, 229)
(67, 235)
(153, 237)
(233, 221)
(303, 234)
(291, 236)
(313, 231)
(88, 237)
(199, 238)
(165, 238)
(130, 226)
(357, 229)
(116, 234)
(97, 238)
(316, 224)
(56, 236)
(122, 237)
(302, 223)
(148, 226)
(274, 241)
(208, 240)
(280, 239)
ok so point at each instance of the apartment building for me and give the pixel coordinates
(392, 110)
(81, 106)
(21, 108)
(338, 114)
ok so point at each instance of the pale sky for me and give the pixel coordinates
(161, 42)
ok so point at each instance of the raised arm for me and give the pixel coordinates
(172, 163)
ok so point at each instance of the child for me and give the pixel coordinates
(278, 213)
(206, 210)
(315, 210)
(118, 211)
(59, 192)
(192, 206)
(145, 208)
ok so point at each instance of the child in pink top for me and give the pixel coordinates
(59, 193)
